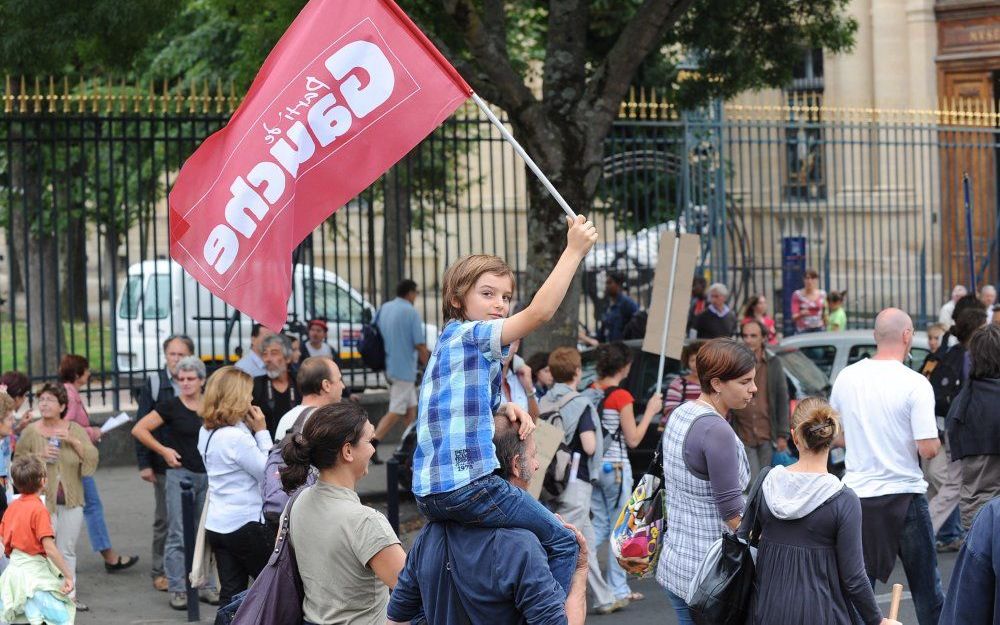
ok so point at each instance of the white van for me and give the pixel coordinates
(159, 298)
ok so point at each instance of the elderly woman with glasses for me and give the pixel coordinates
(70, 457)
(180, 452)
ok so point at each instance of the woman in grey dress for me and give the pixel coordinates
(809, 563)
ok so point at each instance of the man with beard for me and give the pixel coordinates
(275, 392)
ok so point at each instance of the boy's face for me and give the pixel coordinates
(934, 340)
(489, 298)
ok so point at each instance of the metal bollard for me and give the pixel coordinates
(187, 516)
(392, 492)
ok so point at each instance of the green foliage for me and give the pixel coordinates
(754, 44)
(200, 45)
(53, 36)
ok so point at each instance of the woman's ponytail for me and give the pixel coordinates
(295, 454)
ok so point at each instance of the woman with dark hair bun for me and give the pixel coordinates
(336, 536)
(810, 568)
(705, 466)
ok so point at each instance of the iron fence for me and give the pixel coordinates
(871, 199)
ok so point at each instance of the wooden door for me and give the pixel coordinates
(968, 146)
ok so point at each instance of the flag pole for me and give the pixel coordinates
(666, 314)
(968, 231)
(524, 155)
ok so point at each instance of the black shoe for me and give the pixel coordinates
(375, 458)
(121, 565)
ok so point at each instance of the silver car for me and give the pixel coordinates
(832, 351)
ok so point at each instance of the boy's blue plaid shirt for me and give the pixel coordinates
(459, 395)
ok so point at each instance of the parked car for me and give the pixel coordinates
(832, 351)
(159, 298)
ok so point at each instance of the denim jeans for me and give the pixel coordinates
(611, 493)
(680, 608)
(173, 551)
(492, 501)
(952, 529)
(919, 556)
(93, 514)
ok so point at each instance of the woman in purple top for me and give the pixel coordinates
(705, 467)
(809, 563)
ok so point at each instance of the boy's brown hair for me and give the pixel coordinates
(462, 276)
(28, 472)
(563, 364)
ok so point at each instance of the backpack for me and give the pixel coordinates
(272, 492)
(609, 437)
(557, 473)
(944, 370)
(372, 345)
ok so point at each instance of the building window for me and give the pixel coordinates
(806, 167)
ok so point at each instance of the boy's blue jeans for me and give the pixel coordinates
(492, 501)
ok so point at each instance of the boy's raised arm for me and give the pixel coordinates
(581, 237)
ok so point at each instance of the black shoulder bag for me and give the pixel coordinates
(723, 596)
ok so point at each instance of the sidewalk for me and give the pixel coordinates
(128, 598)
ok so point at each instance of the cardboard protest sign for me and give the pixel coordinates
(683, 272)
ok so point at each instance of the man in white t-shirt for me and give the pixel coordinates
(888, 416)
(320, 383)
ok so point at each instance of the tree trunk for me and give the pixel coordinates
(15, 238)
(546, 242)
(37, 260)
(74, 272)
(395, 229)
(109, 264)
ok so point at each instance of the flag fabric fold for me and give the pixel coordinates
(351, 87)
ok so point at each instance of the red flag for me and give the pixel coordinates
(352, 86)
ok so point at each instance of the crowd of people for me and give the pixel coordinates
(272, 443)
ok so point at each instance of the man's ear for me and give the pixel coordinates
(515, 466)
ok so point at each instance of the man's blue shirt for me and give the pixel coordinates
(459, 394)
(618, 313)
(402, 330)
(458, 574)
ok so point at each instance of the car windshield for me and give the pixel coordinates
(811, 378)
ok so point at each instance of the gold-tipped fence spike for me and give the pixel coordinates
(51, 96)
(36, 99)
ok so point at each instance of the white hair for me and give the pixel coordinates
(988, 288)
(192, 364)
(719, 288)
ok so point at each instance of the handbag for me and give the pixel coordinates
(275, 598)
(636, 538)
(721, 589)
(203, 565)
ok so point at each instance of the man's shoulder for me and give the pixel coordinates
(511, 540)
